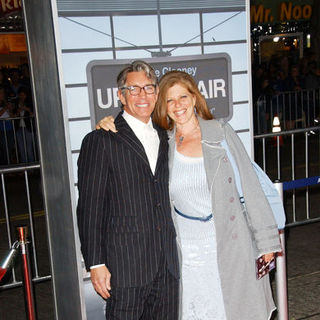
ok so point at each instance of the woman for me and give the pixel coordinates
(219, 239)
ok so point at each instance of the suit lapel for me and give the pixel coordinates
(127, 137)
(163, 146)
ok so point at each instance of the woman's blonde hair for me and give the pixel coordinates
(160, 113)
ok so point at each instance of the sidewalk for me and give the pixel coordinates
(303, 259)
(303, 272)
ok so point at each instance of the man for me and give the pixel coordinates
(127, 235)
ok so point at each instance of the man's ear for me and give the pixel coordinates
(122, 97)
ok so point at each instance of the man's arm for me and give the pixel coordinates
(91, 210)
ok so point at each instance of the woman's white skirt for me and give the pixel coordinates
(201, 289)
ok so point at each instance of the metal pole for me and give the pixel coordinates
(31, 315)
(281, 272)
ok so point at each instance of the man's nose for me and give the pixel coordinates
(142, 92)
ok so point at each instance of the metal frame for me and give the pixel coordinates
(277, 163)
(46, 86)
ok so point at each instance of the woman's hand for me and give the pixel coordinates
(268, 257)
(107, 123)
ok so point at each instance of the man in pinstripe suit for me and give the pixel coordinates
(127, 235)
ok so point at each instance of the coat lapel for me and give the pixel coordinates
(163, 146)
(212, 134)
(127, 137)
(171, 142)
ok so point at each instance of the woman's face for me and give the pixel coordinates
(180, 104)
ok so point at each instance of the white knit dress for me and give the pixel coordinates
(201, 289)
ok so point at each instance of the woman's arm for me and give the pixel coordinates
(107, 124)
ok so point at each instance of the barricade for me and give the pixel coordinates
(293, 157)
(295, 109)
(8, 263)
(18, 141)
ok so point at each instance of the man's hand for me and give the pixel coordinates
(100, 278)
(107, 123)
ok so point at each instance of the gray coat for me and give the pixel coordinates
(241, 235)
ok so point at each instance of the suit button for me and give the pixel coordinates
(158, 205)
(231, 199)
(229, 179)
(155, 180)
(225, 159)
(159, 228)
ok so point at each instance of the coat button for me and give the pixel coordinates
(159, 228)
(232, 218)
(231, 199)
(229, 179)
(225, 159)
(158, 205)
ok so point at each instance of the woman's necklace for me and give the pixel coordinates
(181, 136)
(180, 140)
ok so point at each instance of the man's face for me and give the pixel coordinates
(142, 105)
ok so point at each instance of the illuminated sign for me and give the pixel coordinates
(285, 11)
(211, 72)
(9, 6)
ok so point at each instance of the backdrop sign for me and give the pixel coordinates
(211, 72)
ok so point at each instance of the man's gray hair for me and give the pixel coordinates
(136, 66)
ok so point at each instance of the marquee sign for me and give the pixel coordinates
(211, 72)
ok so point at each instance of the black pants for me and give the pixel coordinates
(158, 300)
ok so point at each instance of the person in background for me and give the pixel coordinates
(6, 128)
(25, 128)
(219, 236)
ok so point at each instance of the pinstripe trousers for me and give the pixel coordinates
(158, 300)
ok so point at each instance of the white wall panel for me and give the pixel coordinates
(78, 102)
(237, 52)
(184, 51)
(240, 89)
(75, 157)
(74, 65)
(224, 26)
(241, 117)
(133, 54)
(83, 32)
(78, 130)
(138, 30)
(179, 28)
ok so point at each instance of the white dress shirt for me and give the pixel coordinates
(149, 138)
(147, 135)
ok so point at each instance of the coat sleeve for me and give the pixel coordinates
(259, 213)
(92, 210)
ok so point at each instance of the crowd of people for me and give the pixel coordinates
(17, 129)
(288, 89)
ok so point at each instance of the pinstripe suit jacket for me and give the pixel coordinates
(123, 210)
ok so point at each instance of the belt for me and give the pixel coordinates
(203, 219)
